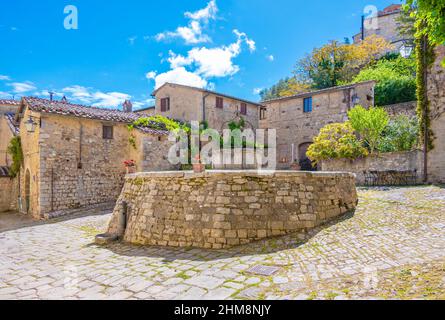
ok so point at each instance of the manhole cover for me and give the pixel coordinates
(263, 270)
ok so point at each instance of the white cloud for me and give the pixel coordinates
(22, 87)
(151, 75)
(4, 78)
(132, 40)
(257, 90)
(193, 32)
(180, 76)
(94, 97)
(270, 58)
(5, 95)
(205, 14)
(243, 37)
(143, 104)
(79, 93)
(213, 62)
(110, 99)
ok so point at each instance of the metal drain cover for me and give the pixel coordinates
(263, 270)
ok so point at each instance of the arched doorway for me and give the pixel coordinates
(27, 191)
(305, 162)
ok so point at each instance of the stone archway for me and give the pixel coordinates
(27, 191)
(304, 161)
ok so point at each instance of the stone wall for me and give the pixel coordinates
(436, 95)
(186, 104)
(70, 165)
(218, 209)
(399, 161)
(5, 137)
(6, 186)
(296, 129)
(404, 108)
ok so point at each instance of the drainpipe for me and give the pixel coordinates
(425, 114)
(203, 115)
(363, 27)
(204, 106)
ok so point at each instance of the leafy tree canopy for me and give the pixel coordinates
(396, 79)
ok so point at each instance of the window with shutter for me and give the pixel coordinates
(107, 132)
(219, 102)
(307, 104)
(165, 104)
(262, 113)
(243, 108)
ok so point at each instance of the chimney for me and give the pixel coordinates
(51, 96)
(127, 106)
(64, 99)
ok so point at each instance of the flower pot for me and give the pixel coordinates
(199, 167)
(295, 166)
(131, 170)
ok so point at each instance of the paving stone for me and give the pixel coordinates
(206, 282)
(392, 231)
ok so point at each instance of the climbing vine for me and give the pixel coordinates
(15, 150)
(425, 58)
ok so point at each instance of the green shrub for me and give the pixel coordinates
(15, 150)
(401, 134)
(396, 80)
(337, 140)
(369, 124)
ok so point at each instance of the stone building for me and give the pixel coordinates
(73, 155)
(187, 104)
(7, 110)
(385, 24)
(298, 119)
(147, 112)
(436, 96)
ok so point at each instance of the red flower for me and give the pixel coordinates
(129, 163)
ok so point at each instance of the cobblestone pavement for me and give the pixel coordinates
(392, 248)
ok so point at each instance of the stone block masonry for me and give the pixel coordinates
(219, 209)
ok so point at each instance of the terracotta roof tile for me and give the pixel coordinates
(9, 102)
(13, 125)
(4, 172)
(76, 110)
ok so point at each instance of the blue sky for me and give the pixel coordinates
(124, 49)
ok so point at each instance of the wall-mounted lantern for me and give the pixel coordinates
(406, 49)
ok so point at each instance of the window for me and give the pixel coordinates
(219, 102)
(307, 104)
(243, 108)
(107, 132)
(165, 104)
(262, 113)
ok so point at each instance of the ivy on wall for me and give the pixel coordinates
(15, 150)
(425, 59)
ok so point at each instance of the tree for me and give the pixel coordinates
(284, 88)
(369, 124)
(430, 19)
(337, 63)
(336, 141)
(396, 79)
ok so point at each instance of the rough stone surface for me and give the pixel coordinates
(219, 209)
(436, 95)
(5, 193)
(70, 165)
(398, 161)
(391, 248)
(298, 128)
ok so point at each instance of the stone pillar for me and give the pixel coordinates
(436, 95)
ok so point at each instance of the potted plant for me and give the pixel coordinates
(130, 166)
(295, 166)
(198, 166)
